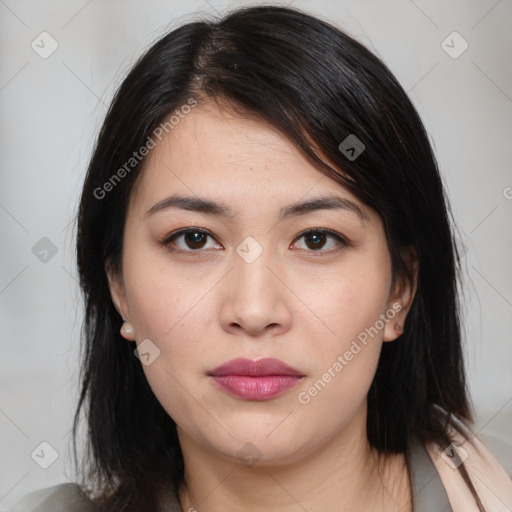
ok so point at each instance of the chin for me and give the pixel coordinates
(256, 447)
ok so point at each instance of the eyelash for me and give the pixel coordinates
(343, 242)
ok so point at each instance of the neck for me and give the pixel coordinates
(344, 474)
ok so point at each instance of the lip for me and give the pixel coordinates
(255, 380)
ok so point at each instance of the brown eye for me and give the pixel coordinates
(195, 239)
(188, 240)
(316, 240)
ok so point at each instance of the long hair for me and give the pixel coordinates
(318, 86)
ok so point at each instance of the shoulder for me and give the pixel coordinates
(59, 498)
(491, 481)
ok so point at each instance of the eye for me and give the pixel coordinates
(316, 239)
(190, 240)
(194, 240)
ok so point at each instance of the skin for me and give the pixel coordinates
(300, 301)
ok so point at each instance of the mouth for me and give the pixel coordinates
(255, 380)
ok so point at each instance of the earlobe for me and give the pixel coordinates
(394, 326)
(118, 296)
(402, 296)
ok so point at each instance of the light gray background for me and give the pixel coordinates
(51, 110)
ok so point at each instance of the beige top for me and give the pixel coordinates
(490, 480)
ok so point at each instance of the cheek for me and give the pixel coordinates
(170, 315)
(346, 357)
(174, 311)
(351, 301)
(163, 299)
(175, 319)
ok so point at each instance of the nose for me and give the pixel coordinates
(255, 299)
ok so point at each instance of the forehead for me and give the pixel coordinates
(242, 159)
(211, 141)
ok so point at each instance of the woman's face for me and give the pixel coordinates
(241, 277)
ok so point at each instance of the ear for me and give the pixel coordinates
(117, 291)
(402, 295)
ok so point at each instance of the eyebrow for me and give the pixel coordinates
(209, 207)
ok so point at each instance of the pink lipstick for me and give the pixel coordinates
(255, 380)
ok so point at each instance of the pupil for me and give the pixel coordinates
(194, 238)
(318, 240)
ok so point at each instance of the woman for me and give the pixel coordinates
(263, 218)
